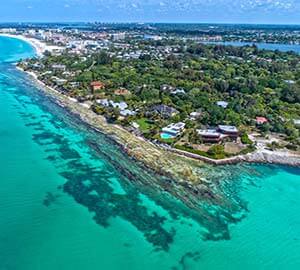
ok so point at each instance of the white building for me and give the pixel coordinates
(118, 36)
(222, 104)
(174, 129)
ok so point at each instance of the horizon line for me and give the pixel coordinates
(148, 22)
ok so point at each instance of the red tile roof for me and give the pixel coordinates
(97, 83)
(261, 120)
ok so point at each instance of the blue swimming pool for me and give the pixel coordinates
(166, 136)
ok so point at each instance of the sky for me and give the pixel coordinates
(202, 11)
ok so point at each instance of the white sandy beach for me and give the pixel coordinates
(38, 45)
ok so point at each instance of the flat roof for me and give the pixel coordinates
(208, 132)
(228, 128)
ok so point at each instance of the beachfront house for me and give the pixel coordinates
(172, 130)
(210, 135)
(106, 103)
(59, 81)
(36, 66)
(122, 106)
(127, 112)
(230, 131)
(119, 105)
(216, 135)
(103, 102)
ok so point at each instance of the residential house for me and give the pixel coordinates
(59, 81)
(122, 92)
(261, 120)
(103, 102)
(135, 125)
(195, 115)
(210, 135)
(36, 66)
(74, 84)
(296, 122)
(127, 112)
(167, 88)
(230, 131)
(122, 106)
(222, 104)
(119, 105)
(97, 85)
(174, 129)
(164, 110)
(216, 135)
(59, 67)
(57, 51)
(118, 36)
(178, 91)
(290, 81)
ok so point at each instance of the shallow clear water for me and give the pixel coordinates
(70, 199)
(14, 50)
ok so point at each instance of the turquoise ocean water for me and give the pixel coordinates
(70, 199)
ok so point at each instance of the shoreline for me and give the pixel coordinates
(39, 46)
(258, 157)
(125, 138)
(150, 155)
(129, 142)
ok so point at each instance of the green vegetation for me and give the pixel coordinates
(245, 139)
(253, 82)
(191, 150)
(215, 152)
(144, 124)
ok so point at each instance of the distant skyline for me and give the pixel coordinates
(190, 11)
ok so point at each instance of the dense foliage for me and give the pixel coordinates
(253, 82)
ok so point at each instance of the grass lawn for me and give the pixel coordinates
(145, 126)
